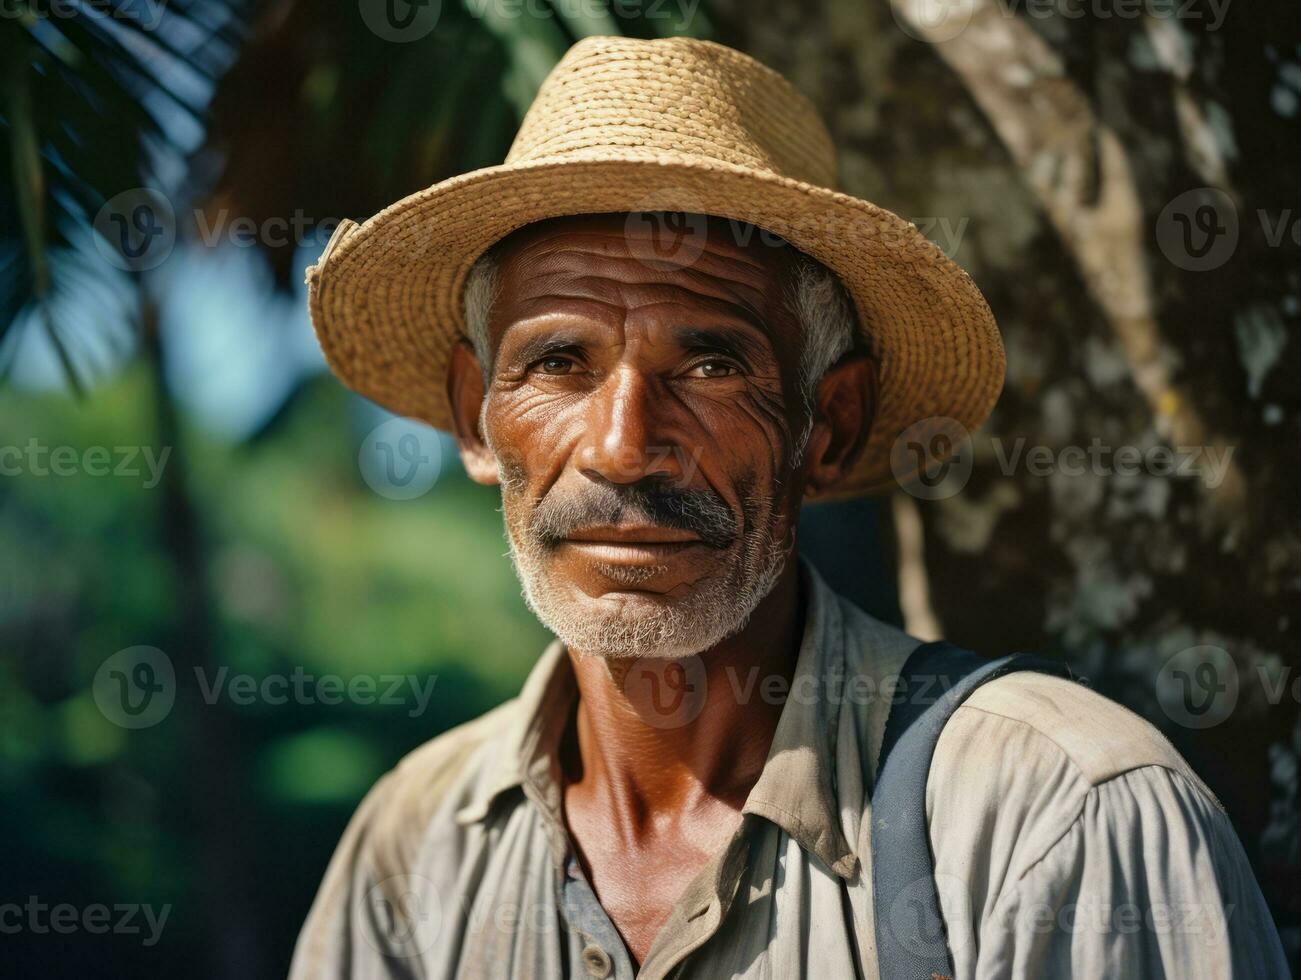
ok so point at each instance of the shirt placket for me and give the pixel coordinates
(693, 921)
(604, 954)
(701, 910)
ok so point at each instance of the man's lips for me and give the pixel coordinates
(635, 544)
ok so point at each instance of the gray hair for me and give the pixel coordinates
(480, 294)
(814, 294)
(825, 313)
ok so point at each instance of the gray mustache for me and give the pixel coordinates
(699, 512)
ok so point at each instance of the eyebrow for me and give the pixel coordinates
(736, 341)
(537, 347)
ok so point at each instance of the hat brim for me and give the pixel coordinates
(386, 296)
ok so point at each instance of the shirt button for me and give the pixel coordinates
(597, 962)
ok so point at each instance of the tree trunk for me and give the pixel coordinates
(1064, 162)
(212, 743)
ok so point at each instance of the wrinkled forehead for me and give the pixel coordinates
(705, 260)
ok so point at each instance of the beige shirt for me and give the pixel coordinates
(1070, 839)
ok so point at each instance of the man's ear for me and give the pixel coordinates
(844, 408)
(465, 395)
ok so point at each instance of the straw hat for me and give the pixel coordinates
(673, 125)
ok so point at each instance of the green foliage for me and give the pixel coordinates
(309, 571)
(242, 563)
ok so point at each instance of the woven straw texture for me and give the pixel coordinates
(625, 125)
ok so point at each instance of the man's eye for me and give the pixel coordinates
(712, 369)
(554, 365)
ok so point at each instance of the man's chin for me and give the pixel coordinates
(632, 656)
(668, 610)
(628, 624)
(631, 623)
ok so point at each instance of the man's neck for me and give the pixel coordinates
(663, 736)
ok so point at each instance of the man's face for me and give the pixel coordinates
(643, 411)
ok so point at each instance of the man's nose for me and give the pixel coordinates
(627, 437)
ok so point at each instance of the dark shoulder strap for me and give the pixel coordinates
(935, 680)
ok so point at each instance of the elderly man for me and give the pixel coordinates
(691, 782)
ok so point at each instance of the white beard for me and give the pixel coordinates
(708, 614)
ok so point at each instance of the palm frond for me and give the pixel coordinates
(99, 98)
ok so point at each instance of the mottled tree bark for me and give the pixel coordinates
(1063, 161)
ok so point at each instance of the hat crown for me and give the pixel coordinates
(675, 97)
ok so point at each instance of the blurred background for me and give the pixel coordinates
(300, 589)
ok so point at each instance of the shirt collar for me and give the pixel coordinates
(796, 789)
